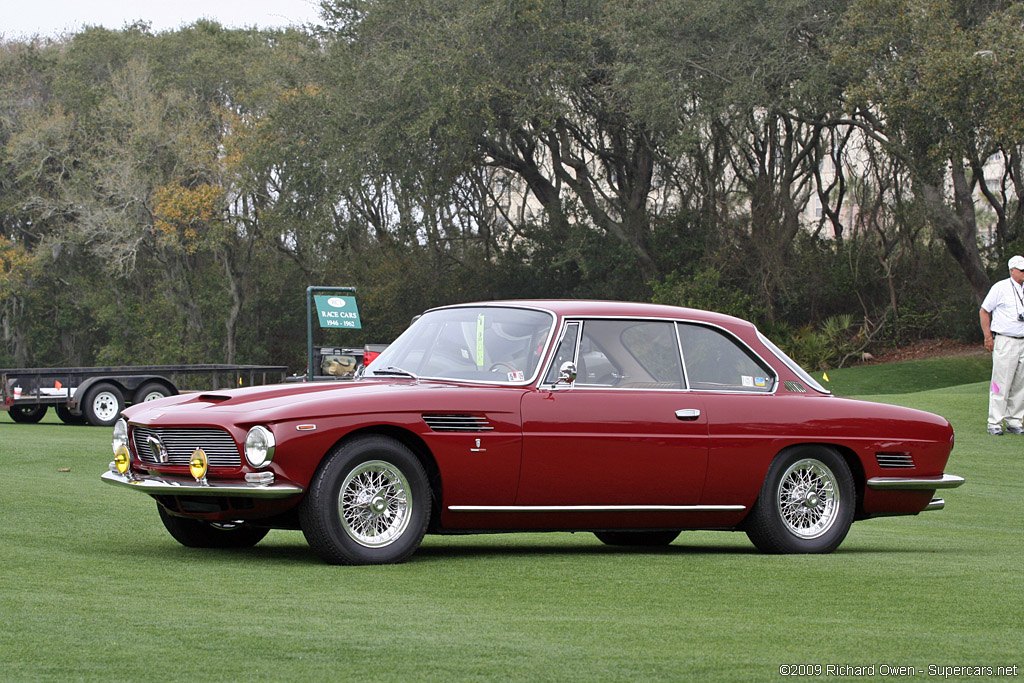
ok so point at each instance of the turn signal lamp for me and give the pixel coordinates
(122, 459)
(198, 464)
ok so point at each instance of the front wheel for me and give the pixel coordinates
(197, 533)
(806, 503)
(28, 414)
(103, 405)
(369, 503)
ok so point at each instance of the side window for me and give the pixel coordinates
(715, 361)
(637, 354)
(566, 351)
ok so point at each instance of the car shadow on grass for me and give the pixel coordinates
(298, 553)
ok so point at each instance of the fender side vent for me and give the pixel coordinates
(795, 387)
(458, 423)
(894, 460)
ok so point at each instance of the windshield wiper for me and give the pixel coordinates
(396, 371)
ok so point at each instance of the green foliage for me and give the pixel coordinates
(835, 342)
(176, 192)
(705, 289)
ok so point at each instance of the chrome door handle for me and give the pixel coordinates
(687, 414)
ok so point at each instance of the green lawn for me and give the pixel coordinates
(93, 588)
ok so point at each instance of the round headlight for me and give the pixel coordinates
(120, 435)
(259, 446)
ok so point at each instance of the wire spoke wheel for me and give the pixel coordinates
(806, 504)
(375, 503)
(808, 498)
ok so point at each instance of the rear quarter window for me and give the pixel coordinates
(715, 361)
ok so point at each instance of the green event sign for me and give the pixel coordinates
(337, 311)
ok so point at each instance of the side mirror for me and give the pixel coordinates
(567, 373)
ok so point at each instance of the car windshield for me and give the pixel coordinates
(476, 343)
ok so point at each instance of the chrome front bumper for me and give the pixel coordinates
(164, 486)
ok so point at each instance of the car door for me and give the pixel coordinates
(625, 433)
(745, 419)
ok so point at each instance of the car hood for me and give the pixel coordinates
(279, 402)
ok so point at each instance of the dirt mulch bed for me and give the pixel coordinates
(927, 348)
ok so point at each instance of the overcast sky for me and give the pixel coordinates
(24, 18)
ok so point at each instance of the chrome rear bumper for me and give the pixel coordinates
(946, 481)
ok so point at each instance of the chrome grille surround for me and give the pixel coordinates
(894, 460)
(458, 423)
(220, 448)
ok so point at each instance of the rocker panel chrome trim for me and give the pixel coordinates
(597, 508)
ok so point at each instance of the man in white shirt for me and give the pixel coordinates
(1002, 323)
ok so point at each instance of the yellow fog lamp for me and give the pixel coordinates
(122, 459)
(198, 464)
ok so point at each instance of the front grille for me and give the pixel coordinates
(220, 448)
(895, 460)
(458, 423)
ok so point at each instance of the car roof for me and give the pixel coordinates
(593, 308)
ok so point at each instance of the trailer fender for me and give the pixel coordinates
(128, 385)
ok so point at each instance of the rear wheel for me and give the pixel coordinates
(197, 533)
(69, 418)
(369, 503)
(648, 539)
(28, 414)
(151, 391)
(103, 404)
(806, 503)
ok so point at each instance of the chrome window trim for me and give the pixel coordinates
(686, 377)
(481, 382)
(793, 366)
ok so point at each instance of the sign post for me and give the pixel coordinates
(333, 311)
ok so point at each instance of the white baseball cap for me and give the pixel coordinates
(1017, 262)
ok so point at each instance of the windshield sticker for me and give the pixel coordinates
(760, 382)
(748, 381)
(516, 376)
(480, 326)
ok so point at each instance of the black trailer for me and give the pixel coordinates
(98, 395)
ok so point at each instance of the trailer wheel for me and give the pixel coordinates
(69, 418)
(103, 405)
(151, 391)
(28, 414)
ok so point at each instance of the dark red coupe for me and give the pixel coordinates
(633, 421)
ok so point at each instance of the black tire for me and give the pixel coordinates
(647, 539)
(151, 391)
(197, 533)
(368, 503)
(69, 418)
(103, 404)
(806, 503)
(28, 414)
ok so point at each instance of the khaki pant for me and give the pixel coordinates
(1006, 397)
